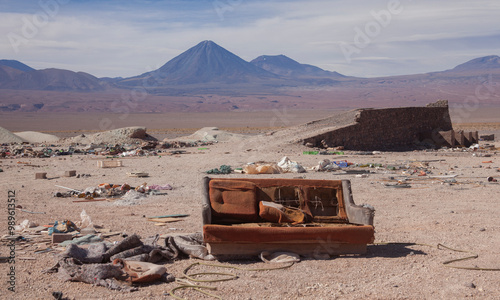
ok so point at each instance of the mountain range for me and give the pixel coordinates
(207, 71)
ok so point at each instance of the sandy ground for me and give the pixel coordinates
(175, 124)
(463, 215)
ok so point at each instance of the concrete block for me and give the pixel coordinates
(475, 137)
(489, 137)
(61, 237)
(445, 138)
(40, 175)
(109, 163)
(460, 139)
(468, 140)
(70, 173)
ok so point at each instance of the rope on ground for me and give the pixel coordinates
(448, 262)
(230, 276)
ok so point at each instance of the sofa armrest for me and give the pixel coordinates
(356, 214)
(206, 210)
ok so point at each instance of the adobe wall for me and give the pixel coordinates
(389, 129)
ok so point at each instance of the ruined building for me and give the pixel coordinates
(404, 128)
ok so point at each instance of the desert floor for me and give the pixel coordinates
(461, 215)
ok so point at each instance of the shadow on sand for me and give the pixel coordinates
(392, 250)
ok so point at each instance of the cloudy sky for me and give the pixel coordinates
(358, 38)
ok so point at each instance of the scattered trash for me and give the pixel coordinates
(86, 222)
(164, 220)
(341, 164)
(160, 187)
(30, 212)
(487, 137)
(137, 174)
(61, 237)
(175, 152)
(63, 227)
(111, 192)
(84, 240)
(288, 165)
(325, 165)
(255, 168)
(224, 169)
(25, 225)
(398, 185)
(169, 216)
(355, 172)
(128, 262)
(279, 257)
(310, 152)
(331, 153)
(109, 163)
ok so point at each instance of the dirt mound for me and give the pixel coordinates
(37, 137)
(125, 135)
(212, 134)
(8, 137)
(286, 138)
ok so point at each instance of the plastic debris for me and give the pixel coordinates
(326, 165)
(290, 166)
(261, 169)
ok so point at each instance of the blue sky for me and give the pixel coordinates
(364, 38)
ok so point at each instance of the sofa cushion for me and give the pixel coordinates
(277, 213)
(342, 233)
(233, 200)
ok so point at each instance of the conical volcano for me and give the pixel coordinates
(206, 62)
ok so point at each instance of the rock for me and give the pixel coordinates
(470, 285)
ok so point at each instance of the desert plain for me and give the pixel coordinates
(403, 263)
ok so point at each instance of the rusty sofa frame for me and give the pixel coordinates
(232, 225)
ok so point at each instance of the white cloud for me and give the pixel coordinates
(105, 40)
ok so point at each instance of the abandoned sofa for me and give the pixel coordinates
(246, 216)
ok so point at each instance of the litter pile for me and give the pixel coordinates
(127, 262)
(405, 171)
(85, 255)
(148, 148)
(107, 191)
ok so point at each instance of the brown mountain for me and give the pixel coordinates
(285, 66)
(207, 77)
(15, 77)
(206, 66)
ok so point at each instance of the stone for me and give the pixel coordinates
(70, 173)
(61, 237)
(41, 176)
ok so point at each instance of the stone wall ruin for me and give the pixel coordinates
(396, 129)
